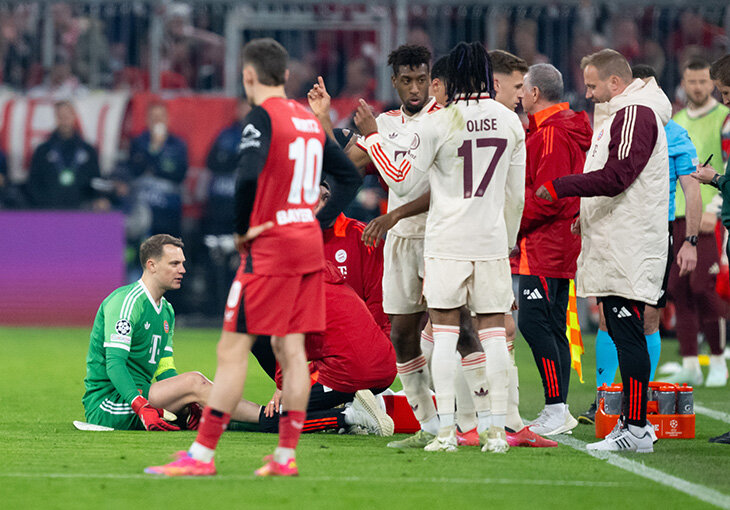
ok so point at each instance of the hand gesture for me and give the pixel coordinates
(319, 99)
(364, 119)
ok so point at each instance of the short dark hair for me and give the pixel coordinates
(609, 63)
(269, 58)
(643, 71)
(153, 246)
(695, 64)
(504, 62)
(440, 68)
(720, 70)
(410, 55)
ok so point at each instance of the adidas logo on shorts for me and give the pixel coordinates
(535, 294)
(623, 313)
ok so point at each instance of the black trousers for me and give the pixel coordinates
(625, 322)
(541, 319)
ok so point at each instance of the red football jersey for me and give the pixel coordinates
(361, 266)
(290, 141)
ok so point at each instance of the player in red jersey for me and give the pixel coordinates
(360, 265)
(279, 288)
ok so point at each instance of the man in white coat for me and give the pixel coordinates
(623, 218)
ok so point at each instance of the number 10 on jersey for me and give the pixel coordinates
(307, 157)
(469, 153)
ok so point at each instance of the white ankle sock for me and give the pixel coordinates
(282, 455)
(200, 452)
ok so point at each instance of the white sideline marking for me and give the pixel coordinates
(700, 492)
(463, 481)
(717, 415)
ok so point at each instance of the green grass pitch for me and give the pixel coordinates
(48, 464)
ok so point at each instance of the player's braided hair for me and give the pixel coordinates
(409, 55)
(469, 71)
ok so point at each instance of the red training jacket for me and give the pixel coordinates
(556, 143)
(362, 267)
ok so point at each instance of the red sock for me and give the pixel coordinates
(290, 427)
(212, 425)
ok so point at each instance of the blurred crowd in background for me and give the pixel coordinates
(60, 52)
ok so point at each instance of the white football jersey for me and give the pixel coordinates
(387, 150)
(475, 155)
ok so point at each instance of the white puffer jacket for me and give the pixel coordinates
(624, 238)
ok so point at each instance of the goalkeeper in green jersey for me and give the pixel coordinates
(131, 345)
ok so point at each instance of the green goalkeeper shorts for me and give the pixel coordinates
(111, 410)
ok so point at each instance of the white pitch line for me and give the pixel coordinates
(700, 492)
(716, 415)
(357, 479)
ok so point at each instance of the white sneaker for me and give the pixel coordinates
(494, 440)
(570, 421)
(367, 413)
(624, 440)
(688, 376)
(445, 441)
(650, 429)
(717, 376)
(554, 421)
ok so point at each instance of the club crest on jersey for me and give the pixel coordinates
(146, 325)
(341, 256)
(166, 326)
(249, 137)
(123, 327)
(416, 142)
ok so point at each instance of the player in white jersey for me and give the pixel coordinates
(474, 154)
(403, 251)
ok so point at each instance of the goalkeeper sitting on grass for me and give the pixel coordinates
(131, 344)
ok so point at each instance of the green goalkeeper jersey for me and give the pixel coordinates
(131, 343)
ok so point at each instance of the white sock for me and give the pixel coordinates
(416, 380)
(443, 367)
(282, 455)
(446, 420)
(474, 367)
(466, 412)
(718, 361)
(485, 421)
(426, 345)
(691, 363)
(498, 420)
(201, 453)
(514, 420)
(494, 344)
(431, 426)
